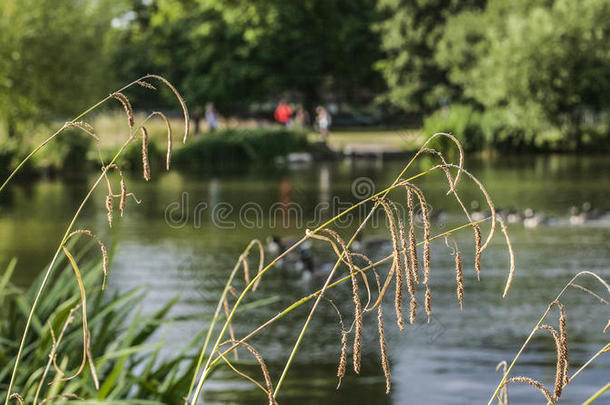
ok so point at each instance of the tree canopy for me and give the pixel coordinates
(51, 58)
(410, 33)
(237, 51)
(541, 62)
(534, 69)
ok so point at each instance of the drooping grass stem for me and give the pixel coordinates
(217, 313)
(309, 297)
(64, 239)
(90, 109)
(535, 329)
(397, 182)
(317, 302)
(598, 394)
(50, 269)
(270, 265)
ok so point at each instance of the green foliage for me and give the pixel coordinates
(51, 58)
(131, 158)
(236, 52)
(234, 146)
(496, 128)
(543, 62)
(409, 36)
(8, 151)
(69, 151)
(462, 121)
(127, 360)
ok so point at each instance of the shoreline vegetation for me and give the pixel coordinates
(403, 278)
(250, 143)
(507, 75)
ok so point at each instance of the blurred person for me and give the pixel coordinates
(323, 120)
(196, 117)
(211, 117)
(283, 114)
(301, 117)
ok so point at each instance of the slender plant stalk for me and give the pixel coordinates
(384, 192)
(50, 270)
(598, 394)
(533, 332)
(217, 313)
(271, 264)
(604, 349)
(306, 299)
(50, 138)
(59, 249)
(603, 389)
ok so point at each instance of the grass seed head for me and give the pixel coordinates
(109, 209)
(123, 200)
(343, 359)
(126, 106)
(104, 262)
(561, 359)
(85, 127)
(397, 261)
(459, 278)
(428, 303)
(356, 299)
(477, 258)
(385, 363)
(18, 397)
(412, 239)
(533, 383)
(383, 348)
(146, 85)
(145, 161)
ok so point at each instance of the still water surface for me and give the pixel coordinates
(185, 236)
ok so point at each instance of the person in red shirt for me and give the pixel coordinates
(283, 113)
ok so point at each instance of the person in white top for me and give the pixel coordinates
(323, 120)
(211, 116)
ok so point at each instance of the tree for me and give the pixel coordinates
(234, 52)
(51, 58)
(409, 36)
(543, 63)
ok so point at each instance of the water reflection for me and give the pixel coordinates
(450, 361)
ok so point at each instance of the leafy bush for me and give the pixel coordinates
(233, 146)
(462, 121)
(503, 128)
(540, 61)
(68, 152)
(8, 151)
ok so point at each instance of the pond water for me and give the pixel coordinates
(190, 229)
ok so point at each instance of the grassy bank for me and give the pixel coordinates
(230, 147)
(239, 142)
(394, 139)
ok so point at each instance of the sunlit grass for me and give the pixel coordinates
(393, 139)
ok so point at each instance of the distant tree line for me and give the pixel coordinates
(508, 73)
